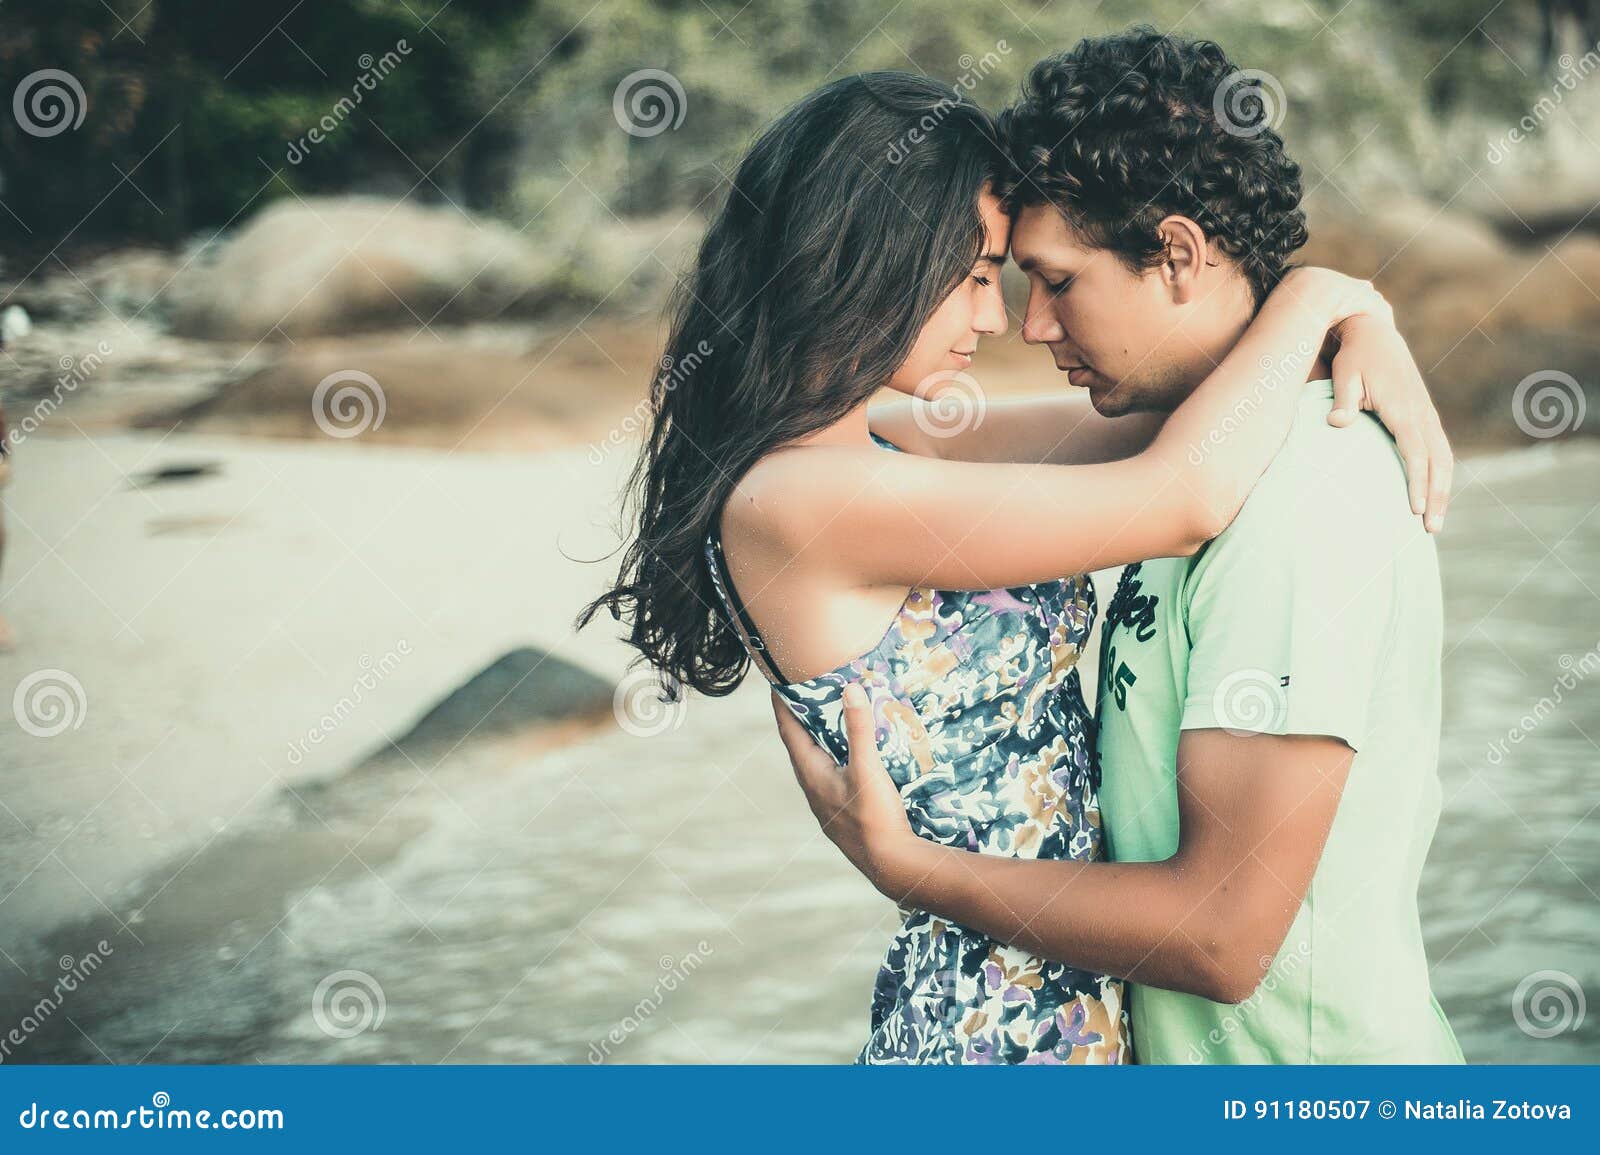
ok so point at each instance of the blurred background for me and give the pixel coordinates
(328, 329)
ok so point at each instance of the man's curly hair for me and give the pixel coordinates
(1127, 129)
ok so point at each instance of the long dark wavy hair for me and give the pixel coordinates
(849, 221)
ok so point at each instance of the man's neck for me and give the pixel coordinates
(1219, 342)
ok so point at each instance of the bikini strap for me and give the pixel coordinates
(733, 605)
(738, 617)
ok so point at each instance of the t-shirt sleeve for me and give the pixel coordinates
(1289, 614)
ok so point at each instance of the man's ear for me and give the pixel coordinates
(1186, 255)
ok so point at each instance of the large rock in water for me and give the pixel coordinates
(524, 688)
(329, 265)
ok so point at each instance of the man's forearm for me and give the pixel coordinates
(1141, 921)
(1254, 811)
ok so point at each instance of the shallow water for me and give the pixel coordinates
(667, 898)
(1511, 892)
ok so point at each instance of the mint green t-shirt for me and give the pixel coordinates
(1316, 612)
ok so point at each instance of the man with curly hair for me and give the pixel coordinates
(1268, 709)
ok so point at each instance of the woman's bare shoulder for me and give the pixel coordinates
(793, 493)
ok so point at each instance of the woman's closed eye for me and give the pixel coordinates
(982, 280)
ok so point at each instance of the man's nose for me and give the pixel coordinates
(1040, 326)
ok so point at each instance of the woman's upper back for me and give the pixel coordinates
(980, 717)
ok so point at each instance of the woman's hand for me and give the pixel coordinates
(1374, 370)
(858, 807)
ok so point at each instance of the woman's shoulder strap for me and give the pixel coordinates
(733, 608)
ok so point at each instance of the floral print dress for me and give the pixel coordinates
(982, 725)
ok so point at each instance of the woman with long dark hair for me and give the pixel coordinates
(860, 248)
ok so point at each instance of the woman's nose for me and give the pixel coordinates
(991, 317)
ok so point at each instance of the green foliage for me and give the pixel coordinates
(192, 107)
(1368, 85)
(507, 105)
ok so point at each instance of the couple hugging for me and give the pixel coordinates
(1219, 864)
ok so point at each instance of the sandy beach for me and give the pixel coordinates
(218, 618)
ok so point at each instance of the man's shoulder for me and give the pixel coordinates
(1332, 508)
(1330, 481)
